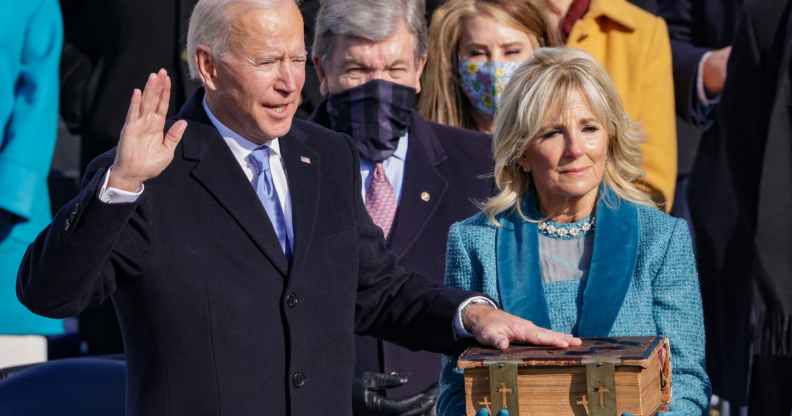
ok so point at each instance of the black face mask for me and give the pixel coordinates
(376, 114)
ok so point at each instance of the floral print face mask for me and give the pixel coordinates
(484, 82)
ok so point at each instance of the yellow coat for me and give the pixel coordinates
(634, 48)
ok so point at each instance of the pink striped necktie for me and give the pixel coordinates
(381, 200)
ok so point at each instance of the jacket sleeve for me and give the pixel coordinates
(686, 57)
(29, 136)
(678, 315)
(657, 116)
(81, 257)
(393, 303)
(451, 400)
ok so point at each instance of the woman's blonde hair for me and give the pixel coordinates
(538, 91)
(442, 99)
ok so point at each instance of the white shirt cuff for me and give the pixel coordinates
(110, 195)
(702, 94)
(459, 327)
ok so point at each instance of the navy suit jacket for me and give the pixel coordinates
(695, 27)
(215, 319)
(740, 199)
(444, 175)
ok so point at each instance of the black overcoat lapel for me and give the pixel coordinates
(302, 169)
(423, 189)
(220, 174)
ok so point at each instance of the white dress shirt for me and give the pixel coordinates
(241, 148)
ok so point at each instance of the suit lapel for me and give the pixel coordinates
(612, 264)
(302, 170)
(519, 272)
(423, 188)
(219, 173)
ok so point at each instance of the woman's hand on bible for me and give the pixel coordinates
(499, 329)
(144, 149)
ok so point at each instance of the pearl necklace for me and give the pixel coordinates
(566, 230)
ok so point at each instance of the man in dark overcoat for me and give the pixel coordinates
(741, 206)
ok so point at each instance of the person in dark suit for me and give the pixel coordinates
(740, 204)
(701, 36)
(236, 247)
(375, 50)
(110, 48)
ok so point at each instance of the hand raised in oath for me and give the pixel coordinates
(144, 149)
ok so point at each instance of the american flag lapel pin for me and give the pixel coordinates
(305, 159)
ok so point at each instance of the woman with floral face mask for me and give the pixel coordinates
(475, 47)
(468, 66)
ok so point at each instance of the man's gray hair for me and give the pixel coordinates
(373, 20)
(210, 25)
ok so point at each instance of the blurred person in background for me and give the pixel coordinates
(741, 202)
(110, 48)
(702, 33)
(701, 36)
(634, 47)
(32, 39)
(417, 177)
(475, 46)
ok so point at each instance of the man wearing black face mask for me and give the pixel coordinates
(418, 177)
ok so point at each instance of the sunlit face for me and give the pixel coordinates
(356, 61)
(567, 157)
(254, 88)
(486, 39)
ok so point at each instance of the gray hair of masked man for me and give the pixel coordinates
(250, 57)
(357, 41)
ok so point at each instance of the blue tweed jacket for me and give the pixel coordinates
(642, 280)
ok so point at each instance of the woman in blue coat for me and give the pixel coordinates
(31, 37)
(570, 242)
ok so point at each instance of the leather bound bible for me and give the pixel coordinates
(602, 377)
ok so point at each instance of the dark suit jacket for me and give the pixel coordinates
(446, 164)
(740, 197)
(215, 320)
(695, 27)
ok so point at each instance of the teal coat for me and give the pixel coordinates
(642, 281)
(31, 38)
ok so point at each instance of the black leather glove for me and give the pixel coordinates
(368, 397)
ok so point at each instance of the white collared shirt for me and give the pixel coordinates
(241, 148)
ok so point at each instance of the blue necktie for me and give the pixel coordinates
(265, 188)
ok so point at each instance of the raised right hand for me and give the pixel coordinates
(144, 149)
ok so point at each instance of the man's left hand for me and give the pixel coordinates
(498, 329)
